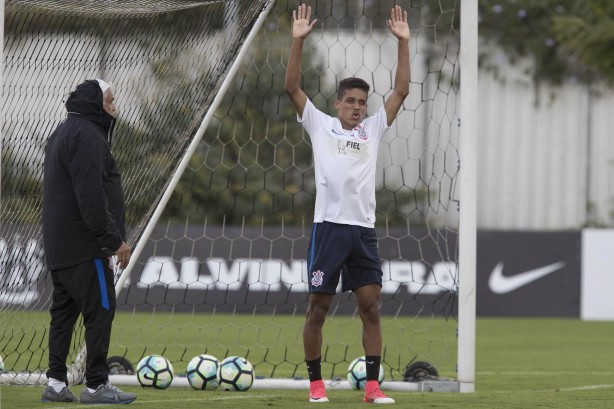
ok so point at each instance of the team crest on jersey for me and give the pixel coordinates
(362, 133)
(317, 278)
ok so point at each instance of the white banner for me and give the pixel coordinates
(596, 300)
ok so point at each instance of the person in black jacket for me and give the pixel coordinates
(83, 228)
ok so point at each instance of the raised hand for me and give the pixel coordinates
(398, 23)
(301, 27)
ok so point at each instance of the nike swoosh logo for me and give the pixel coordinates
(500, 284)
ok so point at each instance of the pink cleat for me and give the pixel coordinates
(317, 392)
(373, 394)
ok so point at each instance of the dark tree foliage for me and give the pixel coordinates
(567, 40)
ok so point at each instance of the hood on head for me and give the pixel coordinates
(86, 100)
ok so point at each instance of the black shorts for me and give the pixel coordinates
(342, 251)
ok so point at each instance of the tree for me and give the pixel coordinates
(249, 168)
(588, 32)
(566, 40)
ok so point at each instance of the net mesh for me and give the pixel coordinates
(224, 273)
(166, 59)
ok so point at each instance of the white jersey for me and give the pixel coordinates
(345, 163)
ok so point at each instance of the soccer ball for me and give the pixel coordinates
(202, 372)
(236, 374)
(357, 373)
(154, 371)
(1, 364)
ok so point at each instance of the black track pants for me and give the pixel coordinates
(88, 289)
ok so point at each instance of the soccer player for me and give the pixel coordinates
(343, 241)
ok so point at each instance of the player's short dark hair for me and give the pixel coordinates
(351, 83)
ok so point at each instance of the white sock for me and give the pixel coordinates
(56, 385)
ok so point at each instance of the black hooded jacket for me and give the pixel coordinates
(83, 199)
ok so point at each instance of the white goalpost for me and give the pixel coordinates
(220, 186)
(468, 192)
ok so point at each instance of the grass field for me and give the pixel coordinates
(521, 363)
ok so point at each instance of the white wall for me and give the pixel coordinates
(544, 153)
(596, 301)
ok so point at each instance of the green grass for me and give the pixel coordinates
(521, 363)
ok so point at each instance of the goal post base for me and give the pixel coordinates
(436, 385)
(23, 378)
(303, 384)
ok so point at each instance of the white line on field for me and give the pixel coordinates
(542, 373)
(586, 388)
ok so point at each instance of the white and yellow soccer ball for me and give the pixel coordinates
(236, 374)
(202, 372)
(154, 371)
(357, 373)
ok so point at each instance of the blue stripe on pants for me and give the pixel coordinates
(103, 284)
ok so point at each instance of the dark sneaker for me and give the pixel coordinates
(107, 393)
(65, 395)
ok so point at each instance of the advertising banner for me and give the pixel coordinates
(260, 270)
(532, 274)
(246, 270)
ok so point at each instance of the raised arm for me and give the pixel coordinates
(301, 27)
(399, 27)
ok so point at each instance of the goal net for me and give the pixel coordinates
(220, 260)
(167, 60)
